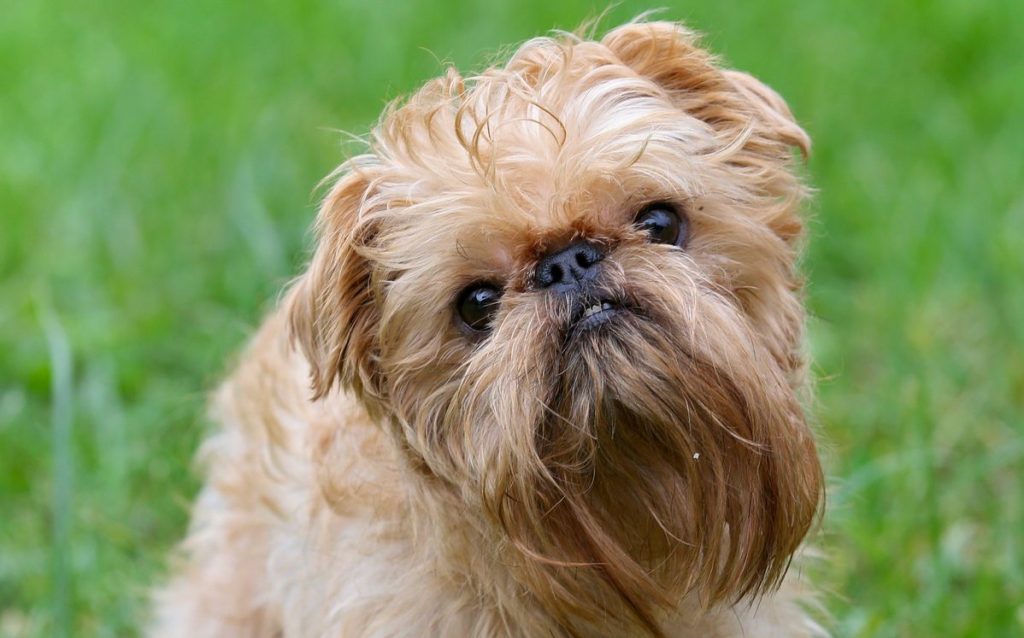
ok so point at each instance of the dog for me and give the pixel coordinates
(543, 374)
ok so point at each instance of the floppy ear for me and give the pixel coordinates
(332, 308)
(669, 55)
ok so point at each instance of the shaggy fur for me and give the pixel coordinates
(381, 471)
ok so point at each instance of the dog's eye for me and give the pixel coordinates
(662, 224)
(477, 304)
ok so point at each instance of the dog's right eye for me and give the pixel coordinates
(476, 306)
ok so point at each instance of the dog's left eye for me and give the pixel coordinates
(662, 223)
(477, 305)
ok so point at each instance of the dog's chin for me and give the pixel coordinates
(663, 469)
(618, 369)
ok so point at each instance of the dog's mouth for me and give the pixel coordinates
(591, 313)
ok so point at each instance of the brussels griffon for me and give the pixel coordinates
(541, 377)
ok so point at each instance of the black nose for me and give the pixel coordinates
(569, 268)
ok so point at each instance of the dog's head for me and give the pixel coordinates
(567, 285)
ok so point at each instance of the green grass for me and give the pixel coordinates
(157, 166)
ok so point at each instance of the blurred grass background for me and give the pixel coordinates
(157, 167)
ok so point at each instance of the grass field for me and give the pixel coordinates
(157, 167)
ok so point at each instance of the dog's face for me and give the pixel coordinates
(568, 287)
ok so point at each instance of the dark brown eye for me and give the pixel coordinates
(477, 304)
(662, 224)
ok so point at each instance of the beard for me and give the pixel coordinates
(625, 463)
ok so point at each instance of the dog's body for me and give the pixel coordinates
(546, 422)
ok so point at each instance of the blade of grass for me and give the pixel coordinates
(63, 467)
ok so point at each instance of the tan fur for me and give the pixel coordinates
(655, 478)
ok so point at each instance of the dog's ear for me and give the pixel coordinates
(750, 120)
(777, 120)
(332, 308)
(669, 55)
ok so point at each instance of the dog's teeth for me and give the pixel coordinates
(593, 310)
(596, 308)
